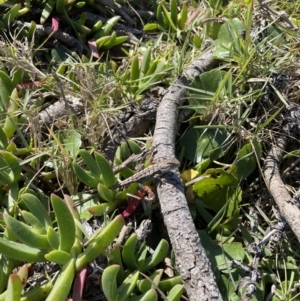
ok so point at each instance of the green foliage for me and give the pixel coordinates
(154, 280)
(115, 284)
(219, 189)
(100, 242)
(231, 125)
(100, 175)
(63, 282)
(24, 234)
(205, 145)
(10, 168)
(65, 222)
(14, 288)
(169, 19)
(126, 149)
(176, 293)
(38, 293)
(39, 241)
(146, 74)
(109, 284)
(99, 171)
(167, 284)
(101, 33)
(210, 89)
(139, 260)
(247, 159)
(11, 118)
(71, 141)
(10, 16)
(230, 41)
(141, 289)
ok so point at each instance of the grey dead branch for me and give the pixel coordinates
(59, 35)
(288, 208)
(191, 259)
(135, 122)
(62, 108)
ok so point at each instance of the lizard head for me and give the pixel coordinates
(167, 164)
(173, 162)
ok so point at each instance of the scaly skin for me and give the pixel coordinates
(152, 171)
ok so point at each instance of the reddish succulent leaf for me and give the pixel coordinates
(133, 204)
(79, 285)
(94, 49)
(28, 85)
(192, 17)
(131, 208)
(140, 194)
(55, 23)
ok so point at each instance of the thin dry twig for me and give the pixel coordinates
(282, 16)
(287, 208)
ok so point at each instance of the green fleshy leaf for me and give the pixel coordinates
(109, 282)
(247, 160)
(25, 234)
(66, 224)
(218, 189)
(58, 256)
(71, 141)
(63, 283)
(36, 207)
(102, 241)
(14, 288)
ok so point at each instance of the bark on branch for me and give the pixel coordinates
(287, 208)
(191, 259)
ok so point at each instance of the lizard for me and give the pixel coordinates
(152, 171)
